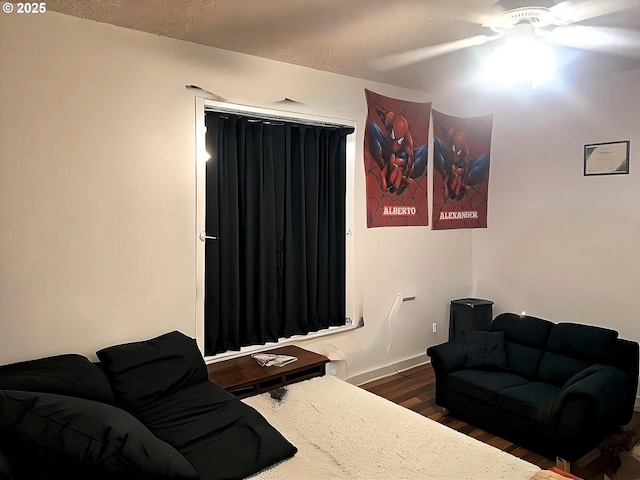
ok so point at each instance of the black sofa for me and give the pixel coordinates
(557, 389)
(147, 410)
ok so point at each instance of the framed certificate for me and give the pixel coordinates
(611, 158)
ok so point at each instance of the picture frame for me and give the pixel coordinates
(608, 158)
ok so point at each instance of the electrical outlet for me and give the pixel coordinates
(435, 327)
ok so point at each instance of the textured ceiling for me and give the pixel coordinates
(345, 36)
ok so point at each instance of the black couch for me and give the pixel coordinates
(557, 389)
(147, 410)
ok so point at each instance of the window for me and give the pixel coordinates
(276, 254)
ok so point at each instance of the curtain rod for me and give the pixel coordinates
(275, 117)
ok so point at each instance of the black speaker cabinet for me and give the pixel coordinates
(469, 314)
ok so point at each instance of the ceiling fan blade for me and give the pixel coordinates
(573, 11)
(396, 60)
(619, 41)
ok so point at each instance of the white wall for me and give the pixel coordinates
(563, 246)
(97, 194)
(560, 245)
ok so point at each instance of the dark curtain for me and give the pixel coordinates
(276, 200)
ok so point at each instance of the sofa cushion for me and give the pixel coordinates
(485, 350)
(69, 374)
(523, 329)
(533, 401)
(557, 369)
(483, 384)
(73, 438)
(526, 339)
(143, 372)
(586, 342)
(571, 348)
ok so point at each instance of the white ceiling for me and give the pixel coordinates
(345, 36)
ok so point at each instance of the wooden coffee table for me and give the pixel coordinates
(243, 376)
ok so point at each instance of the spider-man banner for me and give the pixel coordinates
(461, 151)
(395, 160)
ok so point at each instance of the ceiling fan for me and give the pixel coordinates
(566, 23)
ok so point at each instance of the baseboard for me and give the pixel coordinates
(387, 370)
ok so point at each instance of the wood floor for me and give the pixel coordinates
(415, 389)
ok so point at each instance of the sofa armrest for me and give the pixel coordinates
(590, 404)
(603, 385)
(448, 357)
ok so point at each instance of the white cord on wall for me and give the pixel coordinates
(392, 313)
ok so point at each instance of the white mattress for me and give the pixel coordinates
(345, 432)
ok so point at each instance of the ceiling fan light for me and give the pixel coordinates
(539, 17)
(520, 60)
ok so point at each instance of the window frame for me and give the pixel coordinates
(201, 156)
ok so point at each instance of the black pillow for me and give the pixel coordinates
(143, 372)
(222, 437)
(69, 374)
(164, 382)
(73, 438)
(485, 350)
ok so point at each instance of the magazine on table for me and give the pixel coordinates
(273, 360)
